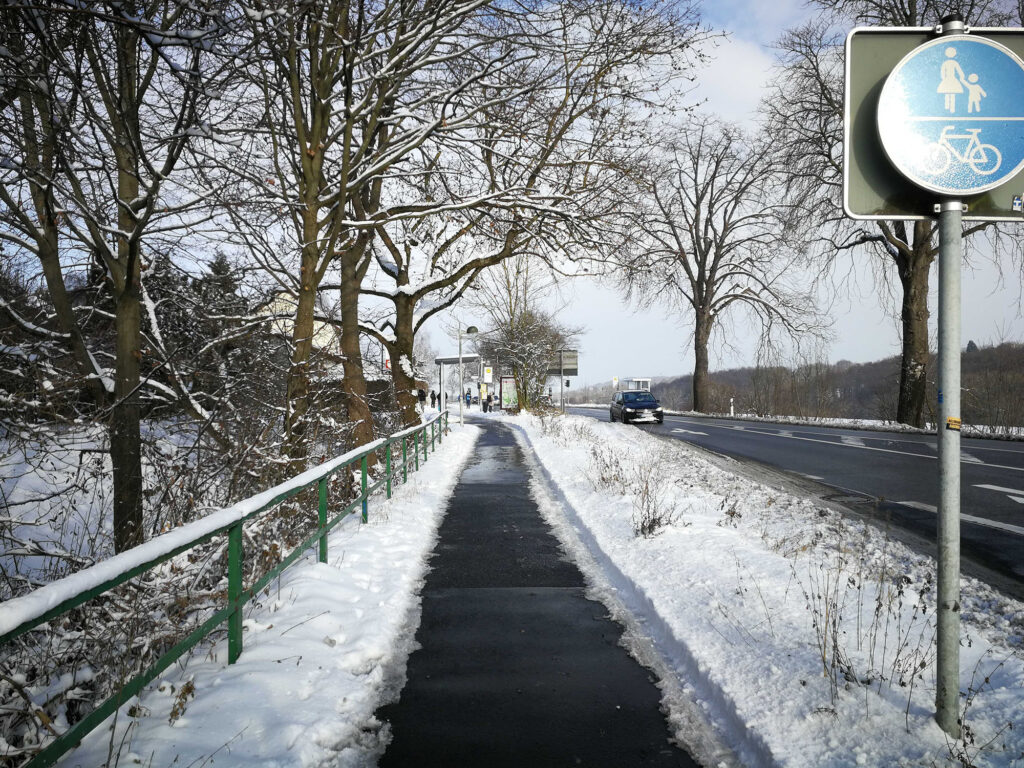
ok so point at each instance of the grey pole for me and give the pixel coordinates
(947, 692)
(460, 376)
(947, 639)
(561, 379)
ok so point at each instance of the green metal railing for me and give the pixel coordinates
(138, 561)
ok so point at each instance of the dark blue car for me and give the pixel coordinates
(636, 405)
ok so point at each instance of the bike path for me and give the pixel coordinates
(515, 666)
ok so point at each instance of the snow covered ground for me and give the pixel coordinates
(321, 651)
(806, 638)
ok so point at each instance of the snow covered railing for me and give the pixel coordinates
(22, 615)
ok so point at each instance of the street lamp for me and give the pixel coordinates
(469, 332)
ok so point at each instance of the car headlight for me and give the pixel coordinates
(658, 408)
(628, 410)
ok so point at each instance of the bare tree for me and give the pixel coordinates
(714, 239)
(540, 171)
(805, 115)
(524, 334)
(109, 97)
(34, 121)
(347, 91)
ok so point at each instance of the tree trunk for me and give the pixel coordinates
(125, 439)
(50, 262)
(701, 334)
(402, 348)
(43, 149)
(913, 272)
(296, 446)
(353, 382)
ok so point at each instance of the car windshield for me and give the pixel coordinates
(640, 398)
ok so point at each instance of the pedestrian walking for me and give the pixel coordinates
(433, 399)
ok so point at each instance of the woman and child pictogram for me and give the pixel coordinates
(953, 81)
(966, 146)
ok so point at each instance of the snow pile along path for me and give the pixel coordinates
(805, 637)
(321, 651)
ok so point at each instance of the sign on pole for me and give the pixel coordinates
(873, 186)
(565, 361)
(935, 129)
(951, 117)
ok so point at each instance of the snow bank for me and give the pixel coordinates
(806, 638)
(322, 649)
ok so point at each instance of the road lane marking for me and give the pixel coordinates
(1001, 489)
(862, 447)
(1015, 529)
(921, 505)
(690, 432)
(888, 437)
(1014, 493)
(856, 442)
(964, 456)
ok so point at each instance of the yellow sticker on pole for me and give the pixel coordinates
(953, 423)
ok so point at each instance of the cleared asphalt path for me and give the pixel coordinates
(516, 667)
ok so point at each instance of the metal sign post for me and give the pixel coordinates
(568, 365)
(561, 380)
(947, 582)
(947, 119)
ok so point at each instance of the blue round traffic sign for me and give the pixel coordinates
(951, 116)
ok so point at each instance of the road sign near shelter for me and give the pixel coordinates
(564, 362)
(920, 96)
(951, 117)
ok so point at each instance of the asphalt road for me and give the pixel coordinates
(896, 473)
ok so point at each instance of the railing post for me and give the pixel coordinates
(440, 431)
(366, 515)
(433, 435)
(235, 593)
(425, 446)
(405, 462)
(322, 517)
(387, 468)
(416, 449)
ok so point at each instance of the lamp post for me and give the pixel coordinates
(469, 332)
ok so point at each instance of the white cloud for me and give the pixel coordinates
(755, 19)
(734, 81)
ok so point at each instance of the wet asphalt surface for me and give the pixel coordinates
(516, 667)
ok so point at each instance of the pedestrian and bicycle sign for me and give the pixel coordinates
(943, 128)
(934, 114)
(951, 117)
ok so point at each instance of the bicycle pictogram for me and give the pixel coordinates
(983, 159)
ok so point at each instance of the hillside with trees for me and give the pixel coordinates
(993, 389)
